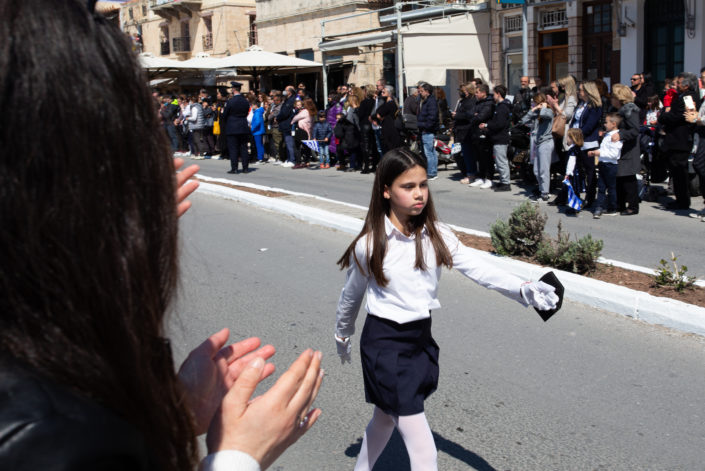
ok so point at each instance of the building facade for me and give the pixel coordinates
(182, 29)
(606, 39)
(294, 27)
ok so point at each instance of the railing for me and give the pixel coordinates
(165, 48)
(553, 18)
(512, 24)
(207, 41)
(182, 44)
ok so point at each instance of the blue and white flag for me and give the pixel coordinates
(573, 200)
(313, 145)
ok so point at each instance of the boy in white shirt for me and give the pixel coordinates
(608, 153)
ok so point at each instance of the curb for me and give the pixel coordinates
(599, 294)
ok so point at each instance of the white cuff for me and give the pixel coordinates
(229, 460)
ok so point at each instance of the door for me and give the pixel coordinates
(553, 64)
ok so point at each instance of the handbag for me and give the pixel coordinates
(216, 127)
(558, 128)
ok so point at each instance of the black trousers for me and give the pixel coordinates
(237, 148)
(586, 166)
(627, 193)
(678, 167)
(483, 153)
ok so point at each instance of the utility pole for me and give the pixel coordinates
(324, 70)
(525, 39)
(400, 56)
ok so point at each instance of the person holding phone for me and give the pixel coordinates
(678, 141)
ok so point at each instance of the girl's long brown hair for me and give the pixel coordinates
(394, 163)
(88, 228)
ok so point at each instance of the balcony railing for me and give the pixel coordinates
(182, 44)
(165, 48)
(207, 41)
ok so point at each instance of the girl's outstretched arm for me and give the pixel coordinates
(487, 275)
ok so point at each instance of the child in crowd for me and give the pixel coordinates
(608, 154)
(396, 261)
(322, 133)
(574, 140)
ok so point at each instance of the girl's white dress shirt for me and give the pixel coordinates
(411, 293)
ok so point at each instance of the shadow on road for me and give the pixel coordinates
(395, 457)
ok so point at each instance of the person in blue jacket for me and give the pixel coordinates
(258, 129)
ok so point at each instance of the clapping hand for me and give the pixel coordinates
(266, 426)
(184, 186)
(210, 371)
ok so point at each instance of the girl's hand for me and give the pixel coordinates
(344, 346)
(266, 426)
(615, 137)
(540, 295)
(184, 187)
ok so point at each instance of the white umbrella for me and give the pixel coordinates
(258, 60)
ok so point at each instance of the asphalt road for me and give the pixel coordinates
(587, 390)
(641, 240)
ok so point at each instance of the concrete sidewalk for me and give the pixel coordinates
(348, 218)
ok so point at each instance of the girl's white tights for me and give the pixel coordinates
(415, 432)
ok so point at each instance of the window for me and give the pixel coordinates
(208, 36)
(306, 54)
(252, 35)
(144, 10)
(598, 18)
(130, 14)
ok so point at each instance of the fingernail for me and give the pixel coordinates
(257, 363)
(321, 373)
(319, 355)
(310, 353)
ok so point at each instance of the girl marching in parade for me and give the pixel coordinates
(396, 261)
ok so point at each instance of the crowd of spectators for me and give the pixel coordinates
(658, 134)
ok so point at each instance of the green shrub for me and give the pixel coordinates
(676, 278)
(579, 256)
(522, 233)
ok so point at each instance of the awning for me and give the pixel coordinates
(459, 42)
(356, 41)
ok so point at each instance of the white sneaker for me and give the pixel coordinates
(259, 162)
(215, 157)
(698, 215)
(486, 184)
(274, 162)
(197, 157)
(476, 183)
(288, 164)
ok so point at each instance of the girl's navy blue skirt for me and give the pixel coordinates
(399, 364)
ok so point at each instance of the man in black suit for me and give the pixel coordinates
(236, 129)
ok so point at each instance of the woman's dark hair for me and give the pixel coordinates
(653, 103)
(88, 229)
(394, 163)
(546, 90)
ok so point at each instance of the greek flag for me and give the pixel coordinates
(573, 200)
(313, 145)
